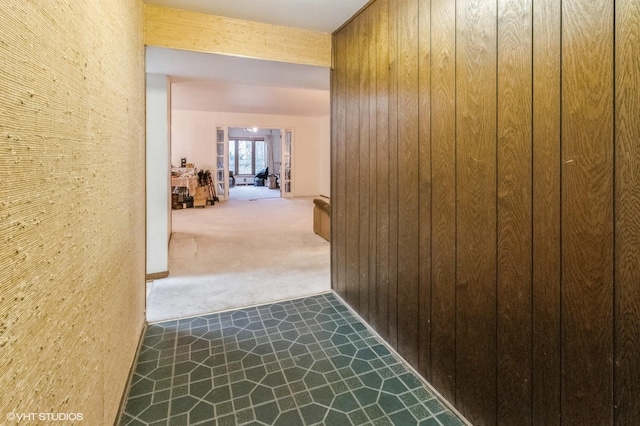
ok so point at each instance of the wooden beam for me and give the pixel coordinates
(199, 32)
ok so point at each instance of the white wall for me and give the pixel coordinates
(193, 137)
(158, 174)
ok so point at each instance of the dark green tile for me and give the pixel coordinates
(245, 416)
(261, 394)
(241, 403)
(313, 413)
(142, 386)
(345, 330)
(253, 356)
(294, 373)
(408, 399)
(347, 349)
(434, 406)
(366, 354)
(201, 412)
(302, 398)
(161, 396)
(242, 388)
(136, 405)
(411, 381)
(372, 380)
(366, 396)
(403, 418)
(274, 379)
(155, 412)
(289, 418)
(161, 373)
(390, 403)
(219, 394)
(360, 367)
(183, 404)
(313, 380)
(422, 394)
(340, 361)
(323, 395)
(286, 403)
(431, 421)
(297, 386)
(224, 408)
(394, 385)
(345, 403)
(339, 339)
(358, 417)
(420, 412)
(185, 367)
(181, 390)
(229, 420)
(354, 383)
(200, 373)
(382, 421)
(336, 418)
(267, 413)
(448, 419)
(374, 412)
(322, 366)
(282, 391)
(200, 389)
(255, 374)
(179, 420)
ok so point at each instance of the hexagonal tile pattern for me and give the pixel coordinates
(307, 361)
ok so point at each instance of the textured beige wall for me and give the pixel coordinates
(72, 209)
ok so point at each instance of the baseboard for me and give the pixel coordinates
(157, 276)
(132, 369)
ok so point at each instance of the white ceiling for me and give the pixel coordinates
(318, 15)
(221, 83)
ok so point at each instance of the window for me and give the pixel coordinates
(247, 156)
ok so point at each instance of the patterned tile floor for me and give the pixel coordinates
(302, 362)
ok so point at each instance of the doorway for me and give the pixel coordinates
(254, 163)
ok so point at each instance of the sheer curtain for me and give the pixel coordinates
(268, 141)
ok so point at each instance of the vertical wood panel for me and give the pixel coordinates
(546, 213)
(408, 185)
(473, 152)
(627, 373)
(514, 212)
(333, 187)
(352, 175)
(476, 220)
(587, 211)
(382, 169)
(424, 180)
(393, 173)
(373, 162)
(443, 142)
(363, 178)
(338, 207)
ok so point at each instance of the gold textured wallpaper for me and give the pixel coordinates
(72, 209)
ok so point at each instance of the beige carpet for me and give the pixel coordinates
(240, 253)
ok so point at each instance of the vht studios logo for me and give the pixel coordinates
(44, 417)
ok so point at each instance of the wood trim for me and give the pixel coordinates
(157, 276)
(199, 32)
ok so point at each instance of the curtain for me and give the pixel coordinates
(268, 142)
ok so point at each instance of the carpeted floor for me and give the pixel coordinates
(240, 253)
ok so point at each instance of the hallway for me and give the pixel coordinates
(300, 362)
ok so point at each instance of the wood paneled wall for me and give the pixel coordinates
(486, 199)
